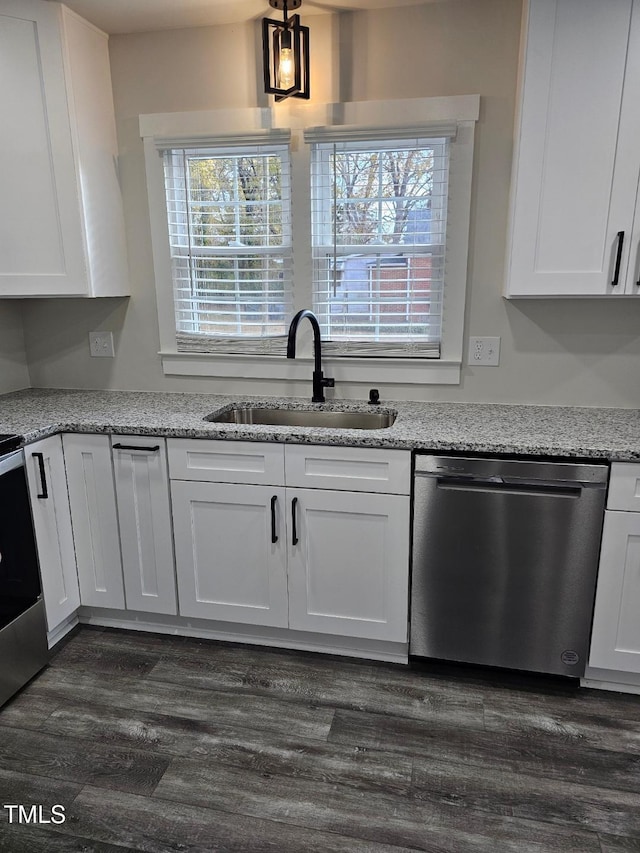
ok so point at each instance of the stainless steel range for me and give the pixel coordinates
(23, 633)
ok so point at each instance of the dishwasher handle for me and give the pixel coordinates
(521, 471)
(498, 484)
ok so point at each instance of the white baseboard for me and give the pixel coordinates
(616, 686)
(607, 679)
(61, 630)
(250, 634)
(597, 679)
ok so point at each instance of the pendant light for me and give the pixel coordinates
(285, 48)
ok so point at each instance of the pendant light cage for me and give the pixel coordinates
(285, 53)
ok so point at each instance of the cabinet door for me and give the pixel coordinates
(90, 96)
(41, 250)
(94, 518)
(228, 566)
(142, 490)
(349, 563)
(628, 150)
(576, 163)
(615, 640)
(52, 524)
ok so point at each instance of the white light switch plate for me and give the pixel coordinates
(101, 344)
(484, 351)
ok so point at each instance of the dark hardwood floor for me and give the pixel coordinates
(171, 744)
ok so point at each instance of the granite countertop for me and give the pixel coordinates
(588, 433)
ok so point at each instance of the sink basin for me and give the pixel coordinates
(303, 417)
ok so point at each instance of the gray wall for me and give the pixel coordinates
(556, 352)
(14, 373)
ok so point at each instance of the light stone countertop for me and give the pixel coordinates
(588, 433)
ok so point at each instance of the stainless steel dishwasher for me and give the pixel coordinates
(505, 557)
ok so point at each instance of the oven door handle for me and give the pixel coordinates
(44, 492)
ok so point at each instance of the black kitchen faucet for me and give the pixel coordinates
(319, 380)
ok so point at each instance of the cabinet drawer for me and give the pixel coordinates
(624, 487)
(354, 469)
(226, 461)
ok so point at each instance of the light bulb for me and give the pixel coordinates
(286, 71)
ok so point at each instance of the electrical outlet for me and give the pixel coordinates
(101, 344)
(484, 351)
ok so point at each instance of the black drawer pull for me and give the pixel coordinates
(294, 531)
(274, 535)
(146, 449)
(44, 492)
(616, 274)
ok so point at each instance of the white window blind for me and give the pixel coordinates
(379, 217)
(228, 208)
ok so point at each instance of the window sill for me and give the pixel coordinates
(401, 371)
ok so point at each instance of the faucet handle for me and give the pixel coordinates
(328, 382)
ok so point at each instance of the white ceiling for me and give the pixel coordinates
(131, 16)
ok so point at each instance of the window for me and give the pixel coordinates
(379, 227)
(357, 210)
(228, 211)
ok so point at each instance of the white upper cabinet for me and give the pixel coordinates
(63, 227)
(574, 228)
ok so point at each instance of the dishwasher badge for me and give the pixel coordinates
(569, 657)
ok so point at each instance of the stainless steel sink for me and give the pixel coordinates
(303, 417)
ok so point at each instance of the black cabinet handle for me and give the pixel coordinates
(274, 535)
(616, 274)
(146, 449)
(294, 532)
(44, 493)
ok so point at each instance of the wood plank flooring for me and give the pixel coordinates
(161, 744)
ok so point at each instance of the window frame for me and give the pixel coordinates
(324, 249)
(365, 117)
(176, 167)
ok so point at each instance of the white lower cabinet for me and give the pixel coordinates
(326, 561)
(229, 566)
(52, 524)
(95, 519)
(119, 497)
(284, 551)
(615, 640)
(348, 563)
(144, 515)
